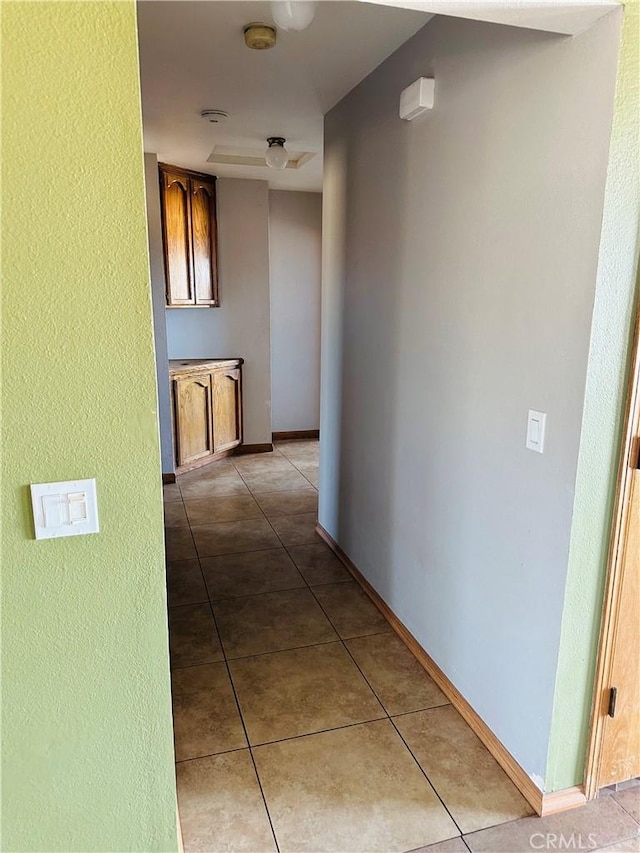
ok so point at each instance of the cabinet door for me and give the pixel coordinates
(203, 228)
(176, 226)
(192, 402)
(227, 409)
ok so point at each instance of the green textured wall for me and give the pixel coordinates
(616, 291)
(86, 728)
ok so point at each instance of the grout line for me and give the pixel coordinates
(255, 594)
(212, 754)
(390, 718)
(244, 729)
(629, 814)
(422, 770)
(292, 649)
(194, 665)
(189, 603)
(319, 732)
(420, 710)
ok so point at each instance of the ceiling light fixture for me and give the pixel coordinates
(293, 15)
(260, 36)
(276, 154)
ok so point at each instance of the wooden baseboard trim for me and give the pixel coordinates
(562, 801)
(295, 434)
(167, 479)
(253, 448)
(514, 771)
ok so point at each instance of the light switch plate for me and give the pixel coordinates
(536, 425)
(64, 509)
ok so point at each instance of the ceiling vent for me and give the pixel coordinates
(252, 157)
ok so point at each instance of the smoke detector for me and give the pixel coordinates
(259, 36)
(214, 116)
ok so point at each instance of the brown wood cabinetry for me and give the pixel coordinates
(227, 407)
(207, 409)
(189, 234)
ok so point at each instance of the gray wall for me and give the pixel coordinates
(240, 326)
(295, 235)
(154, 229)
(459, 267)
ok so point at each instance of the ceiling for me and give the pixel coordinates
(193, 57)
(566, 17)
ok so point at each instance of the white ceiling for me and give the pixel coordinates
(193, 57)
(566, 17)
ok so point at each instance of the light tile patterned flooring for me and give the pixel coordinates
(301, 722)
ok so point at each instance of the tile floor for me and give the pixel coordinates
(301, 722)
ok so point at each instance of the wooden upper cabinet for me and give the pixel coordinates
(177, 238)
(189, 233)
(203, 229)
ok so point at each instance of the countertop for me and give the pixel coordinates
(195, 365)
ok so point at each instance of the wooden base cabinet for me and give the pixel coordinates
(227, 408)
(207, 410)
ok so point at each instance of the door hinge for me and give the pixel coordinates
(613, 695)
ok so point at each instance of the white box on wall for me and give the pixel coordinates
(417, 98)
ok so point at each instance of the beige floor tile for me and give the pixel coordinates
(351, 612)
(185, 584)
(275, 481)
(179, 544)
(629, 799)
(296, 529)
(221, 807)
(222, 508)
(256, 463)
(193, 637)
(300, 691)
(352, 789)
(288, 503)
(453, 845)
(230, 484)
(470, 782)
(171, 492)
(205, 715)
(233, 537)
(212, 471)
(174, 514)
(631, 845)
(318, 564)
(399, 681)
(303, 452)
(599, 823)
(312, 474)
(271, 622)
(237, 575)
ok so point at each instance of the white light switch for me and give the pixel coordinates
(64, 509)
(536, 424)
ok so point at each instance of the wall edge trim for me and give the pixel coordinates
(514, 771)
